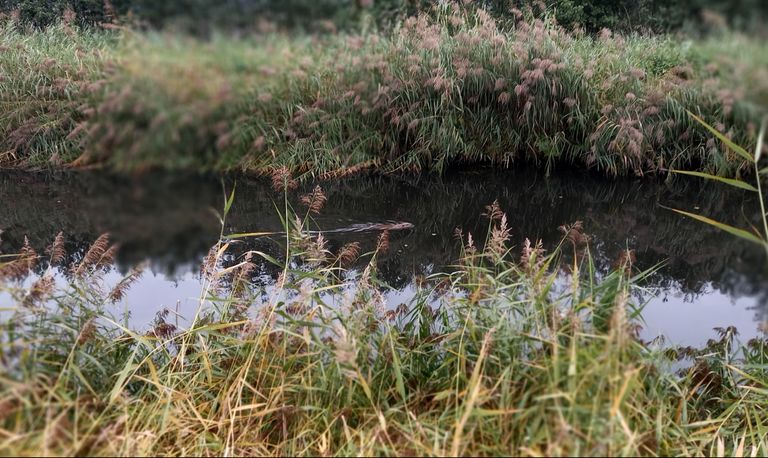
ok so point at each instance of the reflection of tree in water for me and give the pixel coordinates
(170, 220)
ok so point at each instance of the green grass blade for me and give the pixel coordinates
(219, 326)
(229, 201)
(399, 380)
(730, 144)
(760, 139)
(123, 376)
(243, 235)
(724, 227)
(729, 181)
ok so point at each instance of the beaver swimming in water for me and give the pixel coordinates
(370, 227)
(354, 228)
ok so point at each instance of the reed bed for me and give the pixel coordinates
(514, 351)
(449, 89)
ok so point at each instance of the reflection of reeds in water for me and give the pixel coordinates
(696, 255)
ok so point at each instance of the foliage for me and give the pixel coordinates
(197, 16)
(201, 16)
(438, 92)
(510, 354)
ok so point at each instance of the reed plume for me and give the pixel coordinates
(625, 261)
(316, 251)
(497, 244)
(246, 270)
(163, 330)
(28, 253)
(87, 332)
(382, 244)
(56, 251)
(470, 249)
(20, 267)
(210, 262)
(95, 256)
(345, 351)
(108, 258)
(574, 233)
(118, 292)
(493, 211)
(40, 291)
(242, 277)
(315, 200)
(282, 180)
(349, 253)
(531, 252)
(14, 270)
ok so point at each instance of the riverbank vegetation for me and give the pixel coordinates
(296, 346)
(448, 89)
(202, 16)
(515, 351)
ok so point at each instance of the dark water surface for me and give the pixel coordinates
(709, 278)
